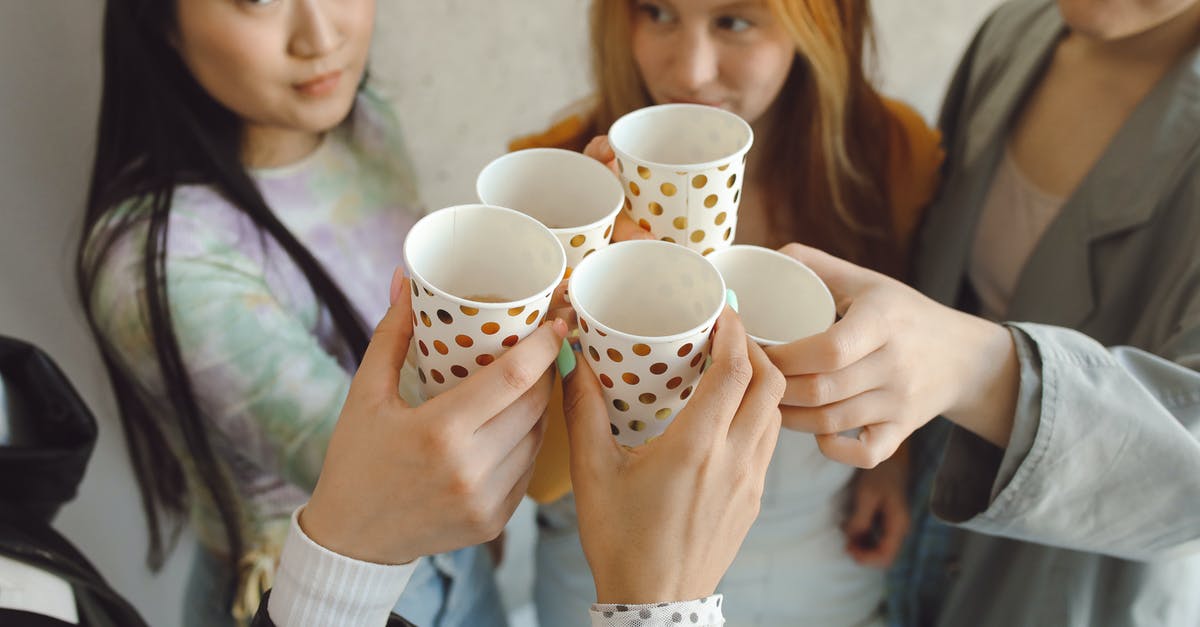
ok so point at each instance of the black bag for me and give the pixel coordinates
(47, 435)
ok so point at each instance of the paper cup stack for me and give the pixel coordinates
(682, 168)
(646, 311)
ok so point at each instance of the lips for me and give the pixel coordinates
(698, 101)
(318, 86)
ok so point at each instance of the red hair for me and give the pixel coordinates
(824, 167)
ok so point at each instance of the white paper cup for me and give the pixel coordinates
(780, 300)
(646, 312)
(482, 280)
(682, 170)
(572, 194)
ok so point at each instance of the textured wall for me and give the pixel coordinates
(466, 76)
(473, 73)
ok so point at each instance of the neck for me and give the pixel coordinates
(1160, 46)
(273, 147)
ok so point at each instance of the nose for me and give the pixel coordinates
(314, 32)
(695, 60)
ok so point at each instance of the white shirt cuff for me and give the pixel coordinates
(704, 612)
(315, 586)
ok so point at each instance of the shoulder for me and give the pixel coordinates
(1014, 30)
(376, 138)
(201, 225)
(914, 163)
(1013, 20)
(572, 130)
(200, 219)
(373, 120)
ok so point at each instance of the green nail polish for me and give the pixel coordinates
(565, 360)
(731, 299)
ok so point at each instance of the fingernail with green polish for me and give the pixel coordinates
(565, 360)
(731, 299)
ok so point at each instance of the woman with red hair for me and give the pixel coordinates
(835, 165)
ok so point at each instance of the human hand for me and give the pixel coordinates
(401, 482)
(664, 521)
(879, 517)
(894, 361)
(625, 228)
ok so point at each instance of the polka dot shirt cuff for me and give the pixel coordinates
(704, 612)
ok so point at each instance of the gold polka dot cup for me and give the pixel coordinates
(682, 168)
(577, 197)
(646, 313)
(780, 300)
(482, 280)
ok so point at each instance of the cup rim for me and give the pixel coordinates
(646, 339)
(569, 154)
(760, 250)
(691, 167)
(537, 295)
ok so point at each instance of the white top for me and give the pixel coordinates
(315, 586)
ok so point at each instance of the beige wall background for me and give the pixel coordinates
(466, 75)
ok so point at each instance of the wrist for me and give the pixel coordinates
(335, 530)
(626, 590)
(987, 397)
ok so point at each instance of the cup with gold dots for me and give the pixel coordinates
(482, 280)
(648, 339)
(682, 167)
(577, 197)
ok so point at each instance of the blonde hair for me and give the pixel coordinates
(828, 148)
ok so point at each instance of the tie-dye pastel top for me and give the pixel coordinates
(268, 368)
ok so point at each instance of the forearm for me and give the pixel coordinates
(1104, 453)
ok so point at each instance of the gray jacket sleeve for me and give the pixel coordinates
(1105, 452)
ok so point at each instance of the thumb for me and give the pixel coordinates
(844, 279)
(600, 150)
(379, 372)
(588, 431)
(626, 229)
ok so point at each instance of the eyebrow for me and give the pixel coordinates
(725, 6)
(740, 4)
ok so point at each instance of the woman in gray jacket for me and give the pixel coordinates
(1059, 331)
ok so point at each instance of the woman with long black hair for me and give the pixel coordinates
(248, 202)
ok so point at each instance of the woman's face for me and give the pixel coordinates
(1116, 19)
(278, 64)
(731, 54)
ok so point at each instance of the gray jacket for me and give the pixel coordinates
(1105, 455)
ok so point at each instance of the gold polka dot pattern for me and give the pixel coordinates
(645, 382)
(685, 206)
(454, 340)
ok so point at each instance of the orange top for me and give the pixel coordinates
(914, 168)
(913, 176)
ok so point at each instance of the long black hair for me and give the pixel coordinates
(158, 129)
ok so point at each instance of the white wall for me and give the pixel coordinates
(49, 89)
(466, 75)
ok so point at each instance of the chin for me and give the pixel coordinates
(322, 116)
(1108, 20)
(1094, 18)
